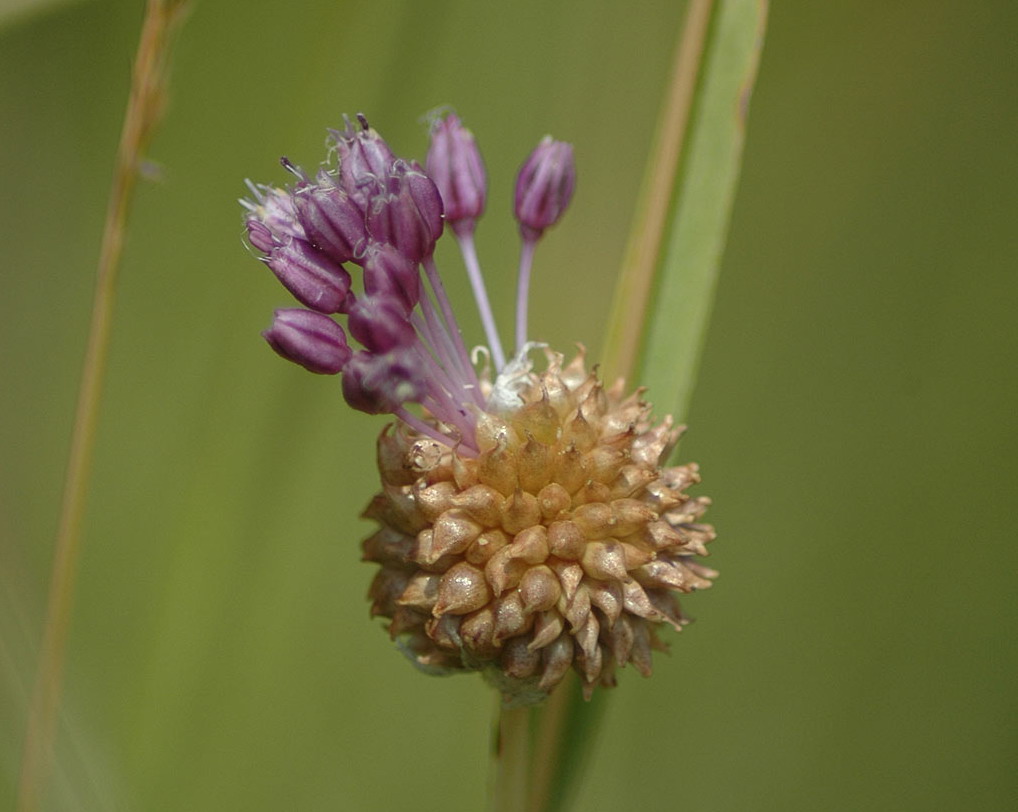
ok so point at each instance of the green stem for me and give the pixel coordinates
(512, 760)
(143, 112)
(566, 724)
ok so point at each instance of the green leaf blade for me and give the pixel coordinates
(667, 286)
(704, 191)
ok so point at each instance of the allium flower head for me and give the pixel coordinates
(528, 522)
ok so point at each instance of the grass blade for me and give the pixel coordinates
(676, 270)
(668, 280)
(144, 109)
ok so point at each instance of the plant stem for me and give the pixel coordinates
(523, 290)
(676, 318)
(469, 252)
(549, 727)
(512, 760)
(144, 107)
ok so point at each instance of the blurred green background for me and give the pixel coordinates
(854, 417)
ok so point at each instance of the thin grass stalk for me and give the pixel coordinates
(144, 109)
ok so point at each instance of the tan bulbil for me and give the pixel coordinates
(562, 544)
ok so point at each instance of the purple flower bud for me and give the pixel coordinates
(259, 235)
(544, 186)
(382, 383)
(408, 214)
(314, 280)
(354, 392)
(381, 324)
(332, 221)
(310, 339)
(388, 273)
(363, 154)
(272, 217)
(454, 164)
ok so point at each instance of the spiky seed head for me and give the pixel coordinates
(561, 545)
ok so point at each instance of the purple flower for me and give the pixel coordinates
(385, 214)
(380, 384)
(310, 339)
(380, 323)
(332, 220)
(454, 164)
(388, 273)
(544, 186)
(272, 217)
(407, 214)
(312, 277)
(363, 157)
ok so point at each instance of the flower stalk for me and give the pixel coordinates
(513, 755)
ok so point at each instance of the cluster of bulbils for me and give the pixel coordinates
(526, 524)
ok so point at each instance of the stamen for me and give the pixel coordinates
(452, 414)
(292, 168)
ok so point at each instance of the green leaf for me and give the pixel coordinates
(667, 285)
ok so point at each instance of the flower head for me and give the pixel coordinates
(528, 520)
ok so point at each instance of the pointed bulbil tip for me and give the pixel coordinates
(463, 589)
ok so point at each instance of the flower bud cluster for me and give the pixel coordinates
(383, 214)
